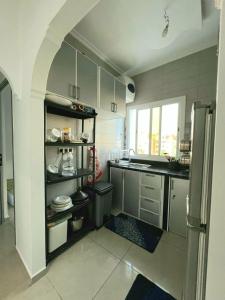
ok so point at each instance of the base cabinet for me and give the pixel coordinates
(116, 176)
(151, 198)
(179, 189)
(131, 193)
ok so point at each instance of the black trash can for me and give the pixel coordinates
(103, 201)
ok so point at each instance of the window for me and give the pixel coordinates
(155, 129)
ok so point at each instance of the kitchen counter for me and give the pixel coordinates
(160, 170)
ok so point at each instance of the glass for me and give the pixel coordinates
(169, 129)
(155, 131)
(143, 133)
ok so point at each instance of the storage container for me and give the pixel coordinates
(57, 235)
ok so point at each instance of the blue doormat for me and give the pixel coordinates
(136, 231)
(144, 289)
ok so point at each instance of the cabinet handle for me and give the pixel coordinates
(149, 187)
(112, 107)
(77, 95)
(71, 91)
(172, 184)
(150, 175)
(149, 200)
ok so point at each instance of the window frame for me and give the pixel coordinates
(181, 100)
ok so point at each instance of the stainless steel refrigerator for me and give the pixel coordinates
(199, 199)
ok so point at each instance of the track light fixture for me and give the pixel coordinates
(167, 22)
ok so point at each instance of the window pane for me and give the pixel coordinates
(132, 128)
(155, 131)
(169, 128)
(143, 131)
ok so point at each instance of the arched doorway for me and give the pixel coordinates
(7, 212)
(8, 254)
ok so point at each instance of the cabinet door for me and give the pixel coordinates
(131, 192)
(61, 78)
(117, 182)
(86, 80)
(106, 90)
(178, 193)
(120, 97)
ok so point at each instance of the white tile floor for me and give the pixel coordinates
(103, 266)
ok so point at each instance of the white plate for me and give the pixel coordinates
(58, 99)
(63, 199)
(61, 209)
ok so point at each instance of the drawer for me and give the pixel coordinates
(150, 218)
(151, 192)
(151, 205)
(151, 179)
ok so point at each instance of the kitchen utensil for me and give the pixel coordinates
(185, 146)
(84, 137)
(66, 135)
(58, 99)
(77, 223)
(54, 168)
(79, 196)
(61, 203)
(53, 135)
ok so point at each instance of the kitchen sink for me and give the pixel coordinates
(132, 164)
(138, 165)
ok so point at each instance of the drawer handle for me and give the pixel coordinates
(150, 175)
(149, 187)
(149, 200)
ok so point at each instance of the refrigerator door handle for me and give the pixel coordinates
(195, 224)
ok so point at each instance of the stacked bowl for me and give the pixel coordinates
(61, 203)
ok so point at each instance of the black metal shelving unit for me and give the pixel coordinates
(50, 179)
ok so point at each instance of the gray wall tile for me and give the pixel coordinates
(193, 76)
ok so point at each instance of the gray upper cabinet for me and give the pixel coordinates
(131, 192)
(116, 176)
(86, 80)
(61, 78)
(106, 90)
(120, 97)
(179, 189)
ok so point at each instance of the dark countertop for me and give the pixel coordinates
(160, 170)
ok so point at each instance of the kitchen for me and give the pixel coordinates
(135, 140)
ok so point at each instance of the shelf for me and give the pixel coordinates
(60, 215)
(60, 144)
(66, 111)
(55, 178)
(72, 239)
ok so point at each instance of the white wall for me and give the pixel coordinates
(10, 58)
(216, 257)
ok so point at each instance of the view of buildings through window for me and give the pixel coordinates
(154, 131)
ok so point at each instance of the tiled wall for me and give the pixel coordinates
(109, 139)
(193, 76)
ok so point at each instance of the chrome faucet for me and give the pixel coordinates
(129, 151)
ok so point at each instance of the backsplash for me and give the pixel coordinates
(109, 138)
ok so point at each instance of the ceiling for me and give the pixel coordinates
(128, 33)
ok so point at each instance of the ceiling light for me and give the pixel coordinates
(167, 22)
